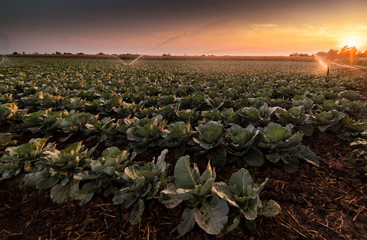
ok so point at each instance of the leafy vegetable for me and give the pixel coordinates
(23, 158)
(76, 122)
(141, 183)
(279, 143)
(211, 140)
(241, 142)
(327, 120)
(360, 153)
(243, 194)
(6, 140)
(258, 116)
(59, 172)
(208, 211)
(7, 111)
(145, 133)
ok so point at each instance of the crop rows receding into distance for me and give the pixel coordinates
(83, 128)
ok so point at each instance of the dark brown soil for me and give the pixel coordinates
(329, 202)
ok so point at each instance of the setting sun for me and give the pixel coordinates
(353, 41)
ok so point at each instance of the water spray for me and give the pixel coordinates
(325, 66)
(174, 38)
(127, 64)
(136, 59)
(119, 59)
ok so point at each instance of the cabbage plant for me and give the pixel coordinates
(352, 128)
(145, 133)
(7, 111)
(176, 135)
(23, 158)
(241, 143)
(279, 143)
(187, 115)
(107, 170)
(141, 183)
(243, 194)
(360, 153)
(59, 170)
(100, 128)
(215, 206)
(327, 120)
(210, 138)
(208, 211)
(76, 123)
(353, 108)
(6, 140)
(42, 121)
(298, 117)
(258, 116)
(231, 117)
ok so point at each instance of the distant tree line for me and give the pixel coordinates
(299, 55)
(344, 53)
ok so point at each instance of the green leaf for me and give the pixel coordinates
(240, 181)
(31, 179)
(270, 208)
(124, 196)
(137, 211)
(170, 198)
(213, 216)
(222, 190)
(273, 157)
(219, 156)
(47, 182)
(185, 176)
(59, 193)
(187, 221)
(161, 164)
(208, 173)
(207, 187)
(254, 158)
(233, 222)
(306, 154)
(276, 134)
(308, 130)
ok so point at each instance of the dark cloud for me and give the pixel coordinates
(143, 14)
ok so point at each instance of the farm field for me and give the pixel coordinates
(94, 149)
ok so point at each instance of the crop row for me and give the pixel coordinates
(73, 174)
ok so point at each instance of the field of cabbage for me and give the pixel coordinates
(181, 148)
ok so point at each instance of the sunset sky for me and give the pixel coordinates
(154, 27)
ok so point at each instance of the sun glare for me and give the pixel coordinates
(353, 41)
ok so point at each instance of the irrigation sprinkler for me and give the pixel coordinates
(2, 62)
(127, 64)
(136, 59)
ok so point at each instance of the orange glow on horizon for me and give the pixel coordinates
(352, 41)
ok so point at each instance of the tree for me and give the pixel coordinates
(332, 54)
